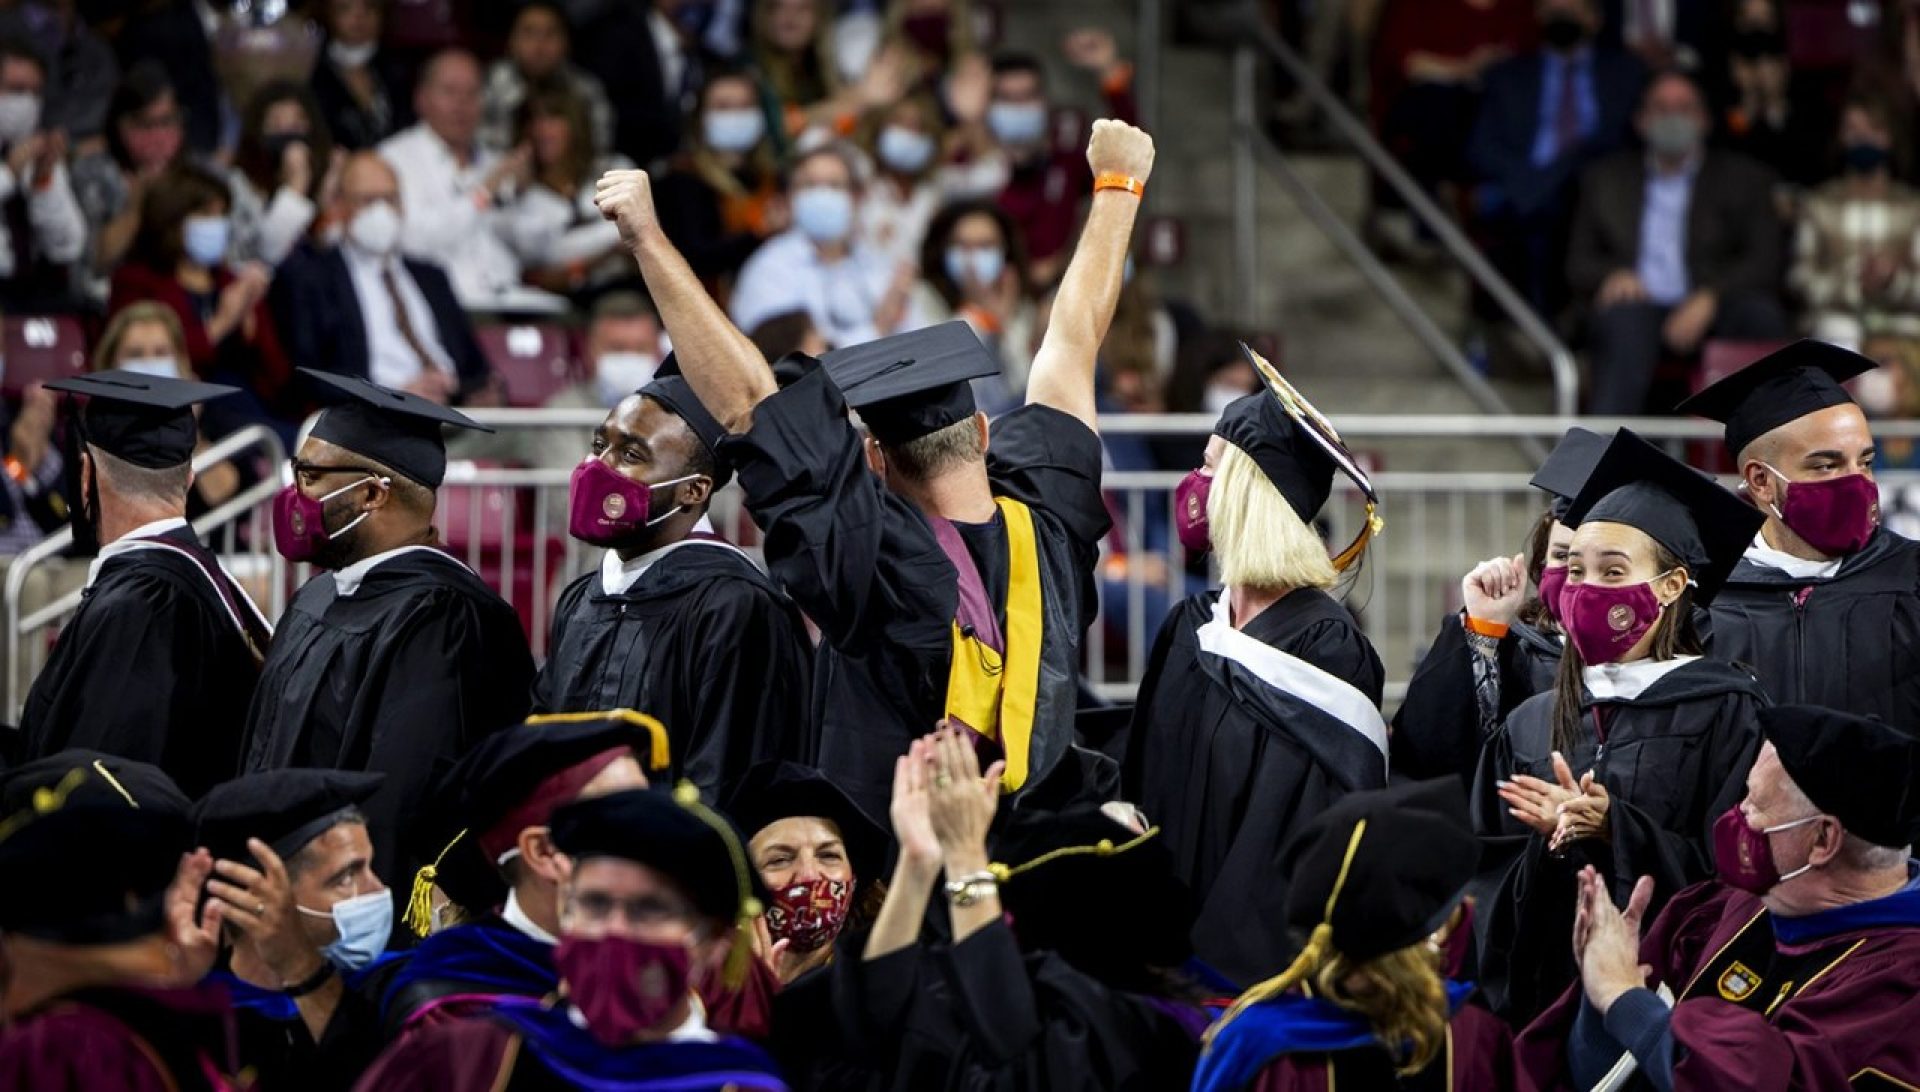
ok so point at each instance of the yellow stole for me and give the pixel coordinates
(991, 693)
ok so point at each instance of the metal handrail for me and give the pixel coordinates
(235, 508)
(1250, 33)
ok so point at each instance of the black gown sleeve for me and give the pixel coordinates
(1051, 462)
(1436, 731)
(744, 685)
(1643, 846)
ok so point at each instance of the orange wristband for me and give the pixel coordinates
(1485, 628)
(1113, 180)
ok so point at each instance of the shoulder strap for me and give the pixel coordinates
(253, 627)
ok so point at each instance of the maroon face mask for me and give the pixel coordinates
(1553, 582)
(809, 915)
(623, 986)
(609, 508)
(1190, 511)
(1604, 623)
(1835, 516)
(1743, 856)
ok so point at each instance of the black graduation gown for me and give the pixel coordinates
(152, 667)
(981, 1016)
(1437, 730)
(806, 1038)
(276, 1045)
(865, 566)
(704, 642)
(400, 677)
(1849, 642)
(1229, 768)
(1673, 760)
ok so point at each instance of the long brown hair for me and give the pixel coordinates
(1401, 994)
(557, 100)
(1674, 634)
(253, 158)
(1534, 612)
(802, 80)
(702, 160)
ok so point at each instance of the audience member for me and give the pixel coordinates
(537, 56)
(1687, 35)
(453, 186)
(852, 292)
(790, 46)
(554, 228)
(363, 309)
(972, 268)
(1672, 246)
(939, 33)
(362, 91)
(173, 35)
(1543, 117)
(1049, 181)
(1210, 373)
(793, 332)
(915, 173)
(649, 59)
(721, 196)
(1856, 260)
(281, 173)
(179, 258)
(145, 338)
(145, 136)
(1767, 114)
(42, 230)
(81, 68)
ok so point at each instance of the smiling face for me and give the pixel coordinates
(1614, 555)
(800, 849)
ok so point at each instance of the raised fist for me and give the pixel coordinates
(626, 198)
(1118, 147)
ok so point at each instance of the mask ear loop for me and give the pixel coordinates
(384, 482)
(676, 509)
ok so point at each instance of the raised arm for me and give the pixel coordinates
(1062, 375)
(725, 370)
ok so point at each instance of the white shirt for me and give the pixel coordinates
(1625, 682)
(347, 581)
(516, 915)
(127, 543)
(617, 577)
(673, 56)
(266, 229)
(547, 228)
(391, 362)
(788, 274)
(447, 218)
(59, 227)
(1799, 568)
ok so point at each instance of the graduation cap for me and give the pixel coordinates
(772, 791)
(675, 394)
(514, 779)
(1297, 449)
(284, 808)
(1780, 387)
(91, 847)
(680, 837)
(1376, 872)
(1102, 895)
(1567, 467)
(1860, 770)
(145, 419)
(394, 428)
(1703, 524)
(912, 384)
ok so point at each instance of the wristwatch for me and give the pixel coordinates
(964, 891)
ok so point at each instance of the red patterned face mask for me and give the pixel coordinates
(809, 915)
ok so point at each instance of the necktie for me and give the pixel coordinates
(402, 319)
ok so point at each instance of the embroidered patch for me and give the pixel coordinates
(1738, 982)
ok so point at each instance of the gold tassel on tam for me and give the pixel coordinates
(734, 972)
(1369, 531)
(1103, 848)
(420, 900)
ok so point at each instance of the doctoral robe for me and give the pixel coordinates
(1238, 739)
(126, 1039)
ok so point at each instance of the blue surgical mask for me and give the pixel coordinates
(165, 367)
(205, 238)
(617, 375)
(364, 923)
(823, 214)
(1017, 122)
(904, 150)
(734, 131)
(978, 265)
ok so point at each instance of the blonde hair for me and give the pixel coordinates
(126, 319)
(1260, 541)
(1401, 994)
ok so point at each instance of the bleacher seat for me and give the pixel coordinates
(39, 348)
(534, 361)
(1718, 360)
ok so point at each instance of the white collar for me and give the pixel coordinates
(1799, 568)
(617, 577)
(516, 915)
(129, 541)
(347, 581)
(1625, 682)
(692, 1030)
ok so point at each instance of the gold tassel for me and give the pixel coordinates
(1103, 848)
(419, 916)
(1371, 529)
(44, 800)
(734, 971)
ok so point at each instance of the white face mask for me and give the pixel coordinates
(617, 375)
(1221, 395)
(19, 116)
(165, 367)
(375, 229)
(364, 923)
(351, 56)
(904, 150)
(1878, 392)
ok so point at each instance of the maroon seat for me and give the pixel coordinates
(1720, 358)
(533, 361)
(39, 348)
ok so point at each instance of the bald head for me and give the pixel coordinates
(449, 97)
(1824, 444)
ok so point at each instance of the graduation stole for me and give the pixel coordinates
(254, 629)
(1752, 972)
(994, 678)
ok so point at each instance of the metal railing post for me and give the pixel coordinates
(1146, 69)
(1246, 204)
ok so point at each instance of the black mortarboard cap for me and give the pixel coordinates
(101, 837)
(284, 808)
(675, 394)
(1293, 444)
(1705, 525)
(1067, 872)
(1860, 770)
(145, 419)
(772, 791)
(672, 833)
(911, 384)
(1567, 467)
(394, 428)
(1402, 877)
(1782, 386)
